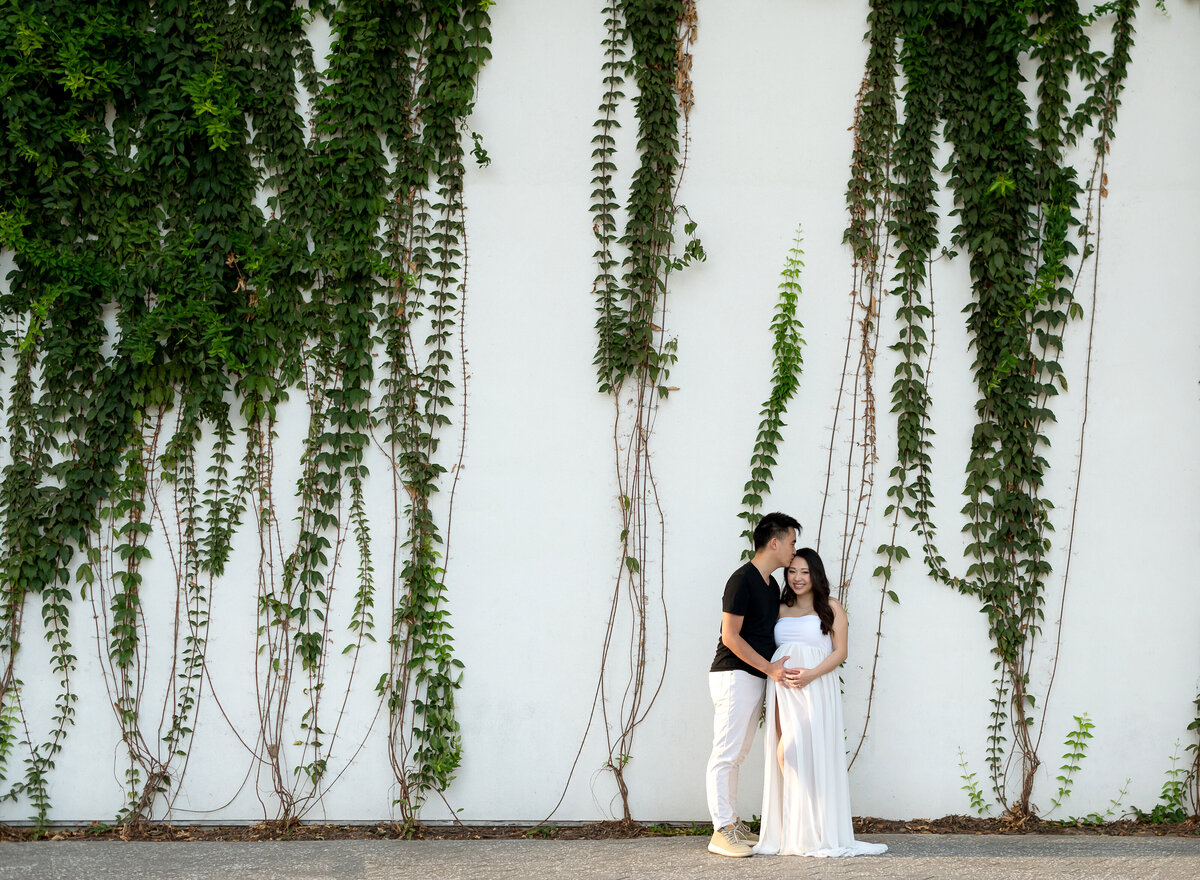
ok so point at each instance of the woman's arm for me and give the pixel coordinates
(838, 655)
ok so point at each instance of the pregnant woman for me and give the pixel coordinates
(806, 792)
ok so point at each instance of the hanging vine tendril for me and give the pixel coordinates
(787, 346)
(148, 280)
(633, 352)
(1017, 202)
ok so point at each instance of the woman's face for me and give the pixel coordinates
(798, 576)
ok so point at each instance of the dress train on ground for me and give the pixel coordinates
(806, 806)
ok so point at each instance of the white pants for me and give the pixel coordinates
(737, 705)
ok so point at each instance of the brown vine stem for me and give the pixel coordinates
(16, 591)
(869, 267)
(878, 641)
(927, 541)
(183, 556)
(125, 678)
(596, 695)
(837, 409)
(176, 565)
(399, 648)
(870, 236)
(457, 468)
(857, 216)
(253, 433)
(301, 800)
(647, 488)
(253, 463)
(854, 526)
(271, 687)
(1098, 178)
(893, 560)
(637, 491)
(613, 68)
(14, 616)
(645, 365)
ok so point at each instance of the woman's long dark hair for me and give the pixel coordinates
(820, 588)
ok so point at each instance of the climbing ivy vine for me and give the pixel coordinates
(646, 42)
(787, 346)
(206, 227)
(1019, 210)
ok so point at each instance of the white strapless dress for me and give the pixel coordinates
(806, 807)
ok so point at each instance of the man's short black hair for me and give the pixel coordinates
(772, 526)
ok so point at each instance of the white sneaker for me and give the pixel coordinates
(728, 841)
(746, 834)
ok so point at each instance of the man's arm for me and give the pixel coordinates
(731, 637)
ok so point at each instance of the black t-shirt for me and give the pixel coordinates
(757, 602)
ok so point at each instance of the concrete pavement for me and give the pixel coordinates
(910, 856)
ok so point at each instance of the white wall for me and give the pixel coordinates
(533, 550)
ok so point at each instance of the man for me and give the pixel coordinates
(737, 679)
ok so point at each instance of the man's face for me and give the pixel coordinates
(785, 548)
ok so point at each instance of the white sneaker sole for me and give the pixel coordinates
(713, 848)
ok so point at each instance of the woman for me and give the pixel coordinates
(806, 793)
